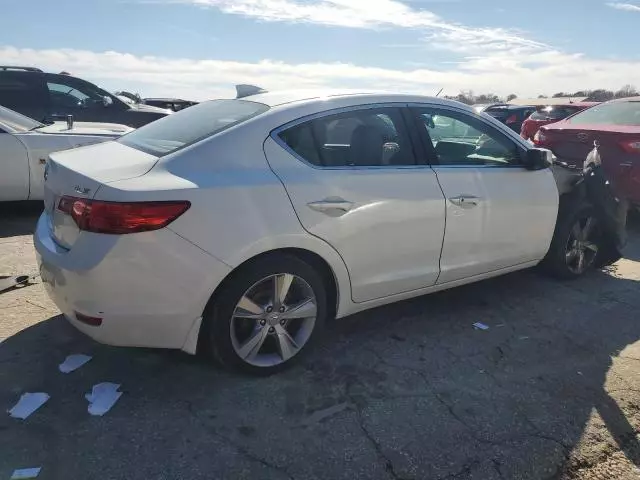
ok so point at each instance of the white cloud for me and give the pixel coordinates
(370, 14)
(630, 7)
(503, 72)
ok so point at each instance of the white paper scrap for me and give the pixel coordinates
(28, 403)
(103, 396)
(24, 473)
(73, 362)
(480, 326)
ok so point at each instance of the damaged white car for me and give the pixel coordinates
(25, 145)
(238, 227)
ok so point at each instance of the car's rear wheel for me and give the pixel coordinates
(576, 245)
(267, 315)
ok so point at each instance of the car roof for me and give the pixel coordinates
(157, 99)
(574, 104)
(628, 99)
(284, 98)
(509, 107)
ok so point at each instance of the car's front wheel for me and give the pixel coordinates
(267, 315)
(576, 245)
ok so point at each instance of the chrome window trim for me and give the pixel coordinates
(275, 136)
(510, 134)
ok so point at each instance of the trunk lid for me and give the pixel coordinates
(572, 144)
(79, 173)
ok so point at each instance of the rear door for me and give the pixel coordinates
(354, 182)
(499, 215)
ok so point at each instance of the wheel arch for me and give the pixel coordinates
(333, 272)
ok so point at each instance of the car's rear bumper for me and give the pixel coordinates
(149, 289)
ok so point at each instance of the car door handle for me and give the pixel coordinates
(333, 206)
(465, 201)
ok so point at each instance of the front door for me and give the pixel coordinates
(354, 182)
(499, 215)
(14, 169)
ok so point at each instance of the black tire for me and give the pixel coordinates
(555, 262)
(216, 331)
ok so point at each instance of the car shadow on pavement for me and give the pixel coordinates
(18, 218)
(405, 391)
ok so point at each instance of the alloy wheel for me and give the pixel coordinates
(273, 320)
(582, 245)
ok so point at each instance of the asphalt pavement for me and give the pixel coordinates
(408, 391)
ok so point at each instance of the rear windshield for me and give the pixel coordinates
(553, 113)
(191, 125)
(497, 112)
(615, 113)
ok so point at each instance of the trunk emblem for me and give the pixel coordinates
(81, 190)
(583, 137)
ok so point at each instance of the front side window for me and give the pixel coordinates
(614, 113)
(173, 132)
(362, 138)
(70, 96)
(460, 139)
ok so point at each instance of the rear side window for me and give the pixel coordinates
(191, 125)
(20, 90)
(615, 113)
(370, 137)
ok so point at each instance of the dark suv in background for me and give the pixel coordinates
(511, 115)
(49, 96)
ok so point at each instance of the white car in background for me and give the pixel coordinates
(25, 145)
(238, 227)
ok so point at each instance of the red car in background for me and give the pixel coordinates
(615, 126)
(550, 114)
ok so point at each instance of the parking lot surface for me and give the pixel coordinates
(409, 391)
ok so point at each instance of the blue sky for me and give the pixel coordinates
(201, 48)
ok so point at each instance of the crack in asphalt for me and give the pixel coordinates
(496, 466)
(239, 448)
(465, 470)
(389, 467)
(537, 433)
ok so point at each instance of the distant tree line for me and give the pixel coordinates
(598, 95)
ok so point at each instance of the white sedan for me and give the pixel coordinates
(25, 145)
(238, 227)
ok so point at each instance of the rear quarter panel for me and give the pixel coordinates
(239, 207)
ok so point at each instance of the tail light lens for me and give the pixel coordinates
(120, 218)
(631, 147)
(511, 119)
(540, 138)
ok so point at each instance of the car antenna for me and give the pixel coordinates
(439, 92)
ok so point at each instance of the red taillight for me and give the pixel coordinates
(631, 147)
(121, 218)
(540, 138)
(511, 119)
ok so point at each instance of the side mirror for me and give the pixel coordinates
(538, 159)
(107, 101)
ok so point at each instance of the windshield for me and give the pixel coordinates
(189, 126)
(16, 121)
(614, 113)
